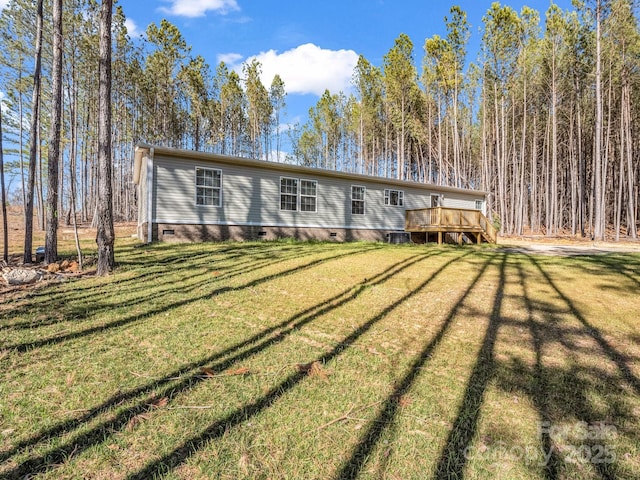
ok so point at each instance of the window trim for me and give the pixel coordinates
(481, 203)
(315, 197)
(387, 197)
(363, 200)
(296, 194)
(219, 204)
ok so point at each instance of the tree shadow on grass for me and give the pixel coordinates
(564, 394)
(626, 266)
(185, 379)
(122, 397)
(614, 355)
(163, 308)
(187, 449)
(540, 389)
(78, 302)
(180, 257)
(144, 291)
(386, 418)
(453, 457)
(539, 382)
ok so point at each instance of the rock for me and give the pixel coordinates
(21, 276)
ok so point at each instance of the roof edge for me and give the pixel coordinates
(229, 159)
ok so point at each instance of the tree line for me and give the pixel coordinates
(161, 95)
(544, 119)
(25, 24)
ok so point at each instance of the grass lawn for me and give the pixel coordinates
(329, 361)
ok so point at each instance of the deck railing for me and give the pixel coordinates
(449, 220)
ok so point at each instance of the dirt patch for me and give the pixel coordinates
(66, 236)
(64, 270)
(562, 246)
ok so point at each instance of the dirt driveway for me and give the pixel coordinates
(566, 248)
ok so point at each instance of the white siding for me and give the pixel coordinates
(142, 193)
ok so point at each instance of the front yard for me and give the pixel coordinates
(329, 361)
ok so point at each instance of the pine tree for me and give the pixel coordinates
(33, 137)
(3, 193)
(51, 239)
(105, 233)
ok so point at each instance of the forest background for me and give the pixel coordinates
(545, 119)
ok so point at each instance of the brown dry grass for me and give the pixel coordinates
(66, 236)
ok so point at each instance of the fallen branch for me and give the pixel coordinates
(190, 407)
(346, 415)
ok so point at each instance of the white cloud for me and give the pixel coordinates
(198, 8)
(230, 59)
(132, 28)
(309, 69)
(275, 156)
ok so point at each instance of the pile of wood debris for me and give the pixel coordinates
(15, 275)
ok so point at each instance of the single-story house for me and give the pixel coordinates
(186, 195)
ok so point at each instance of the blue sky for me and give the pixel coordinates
(312, 45)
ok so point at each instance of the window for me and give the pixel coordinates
(292, 188)
(479, 204)
(394, 197)
(357, 199)
(208, 187)
(289, 194)
(308, 195)
(435, 201)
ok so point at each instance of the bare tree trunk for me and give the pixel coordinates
(552, 221)
(33, 139)
(498, 163)
(39, 184)
(73, 121)
(105, 234)
(599, 220)
(72, 189)
(573, 185)
(523, 155)
(51, 237)
(619, 196)
(20, 145)
(5, 250)
(486, 184)
(441, 179)
(546, 184)
(535, 210)
(581, 165)
(627, 146)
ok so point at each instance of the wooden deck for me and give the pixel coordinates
(449, 224)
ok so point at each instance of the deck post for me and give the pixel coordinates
(478, 238)
(460, 238)
(439, 238)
